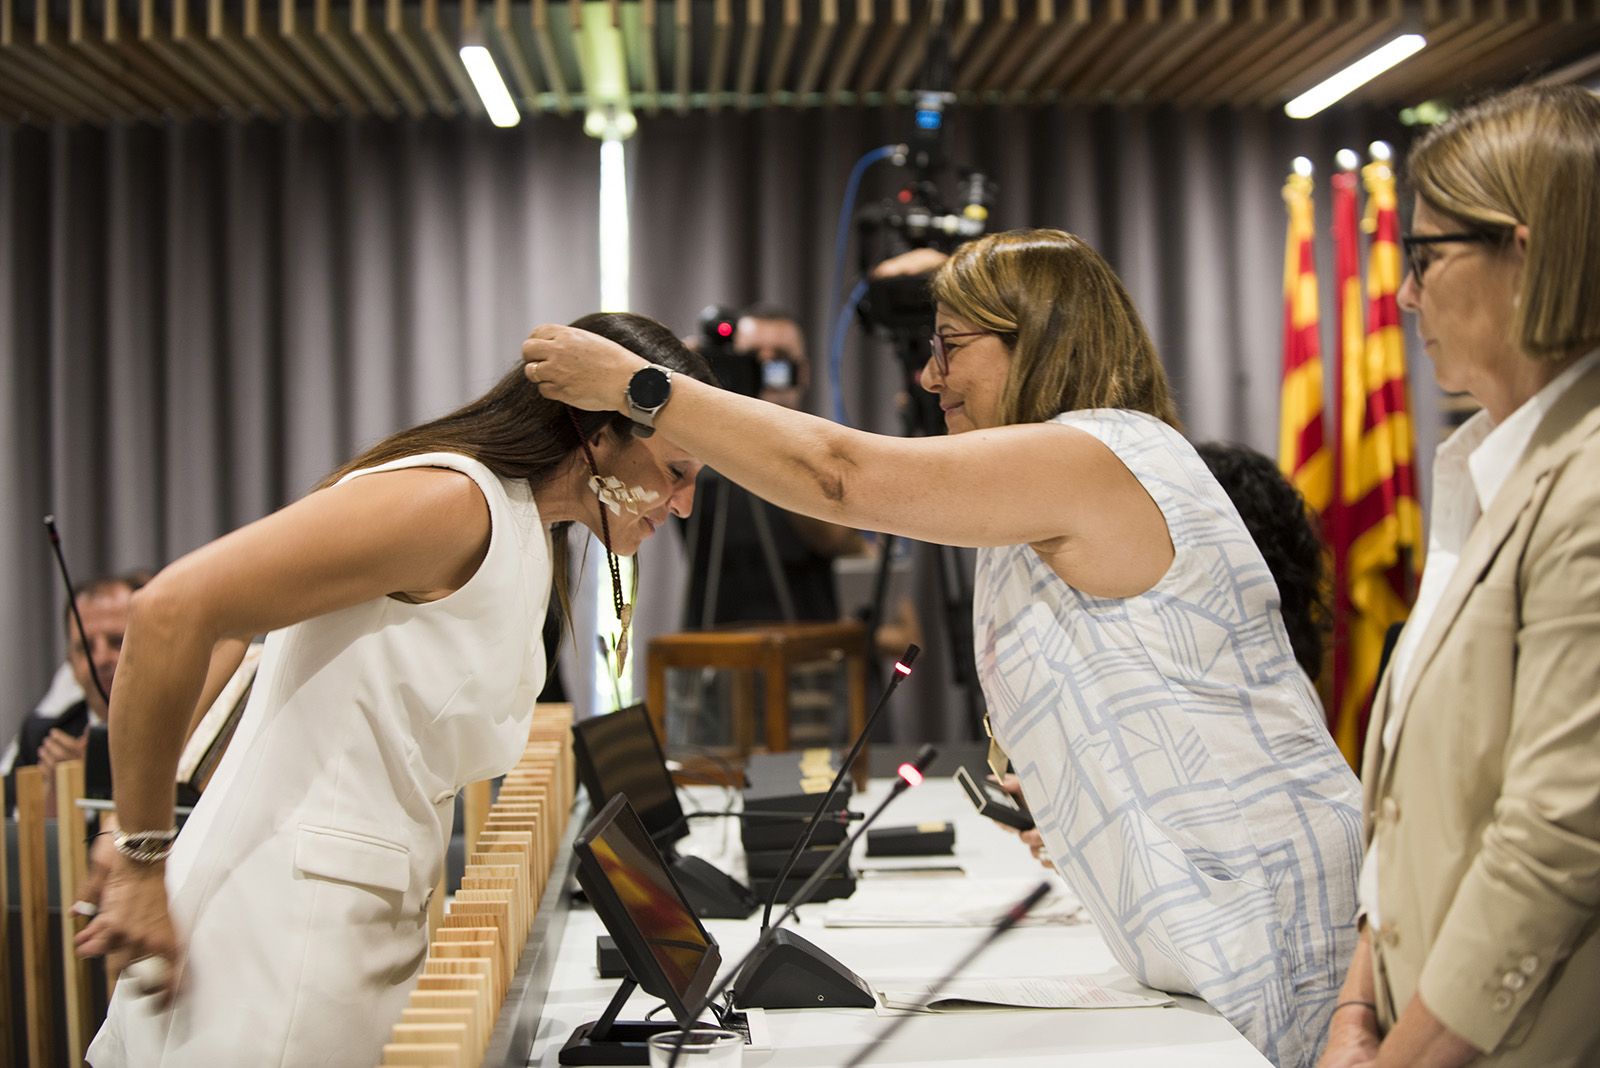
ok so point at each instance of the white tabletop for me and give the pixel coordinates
(1189, 1034)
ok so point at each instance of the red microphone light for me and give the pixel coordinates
(910, 774)
(904, 196)
(903, 669)
(724, 329)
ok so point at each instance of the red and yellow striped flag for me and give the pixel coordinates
(1375, 522)
(1303, 455)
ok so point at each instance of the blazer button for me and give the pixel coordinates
(1502, 1001)
(1514, 980)
(1390, 809)
(1529, 964)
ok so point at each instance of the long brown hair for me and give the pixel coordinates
(1076, 339)
(519, 434)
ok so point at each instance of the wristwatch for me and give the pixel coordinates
(648, 392)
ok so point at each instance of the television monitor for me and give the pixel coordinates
(619, 753)
(667, 950)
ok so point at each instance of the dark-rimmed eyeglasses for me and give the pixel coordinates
(941, 354)
(1419, 248)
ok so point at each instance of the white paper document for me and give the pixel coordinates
(890, 902)
(1066, 992)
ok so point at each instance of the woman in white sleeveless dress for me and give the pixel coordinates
(1129, 639)
(404, 600)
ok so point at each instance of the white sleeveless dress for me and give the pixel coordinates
(300, 885)
(1177, 760)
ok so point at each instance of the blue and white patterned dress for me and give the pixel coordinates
(1176, 758)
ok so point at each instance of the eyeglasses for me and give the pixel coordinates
(941, 355)
(1419, 249)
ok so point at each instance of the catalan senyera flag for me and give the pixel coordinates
(1303, 455)
(1375, 524)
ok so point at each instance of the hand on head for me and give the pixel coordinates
(578, 368)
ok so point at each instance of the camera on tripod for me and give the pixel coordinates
(740, 371)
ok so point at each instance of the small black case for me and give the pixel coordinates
(919, 840)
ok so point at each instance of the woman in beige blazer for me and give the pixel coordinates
(1481, 778)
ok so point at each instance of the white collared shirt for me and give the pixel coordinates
(1469, 470)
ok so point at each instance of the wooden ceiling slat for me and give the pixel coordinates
(224, 37)
(376, 44)
(285, 63)
(446, 53)
(844, 60)
(405, 33)
(1108, 22)
(914, 57)
(1014, 54)
(750, 51)
(783, 47)
(343, 55)
(189, 39)
(1448, 56)
(976, 60)
(298, 37)
(1364, 22)
(876, 65)
(1090, 82)
(84, 80)
(1215, 22)
(38, 96)
(821, 42)
(1322, 18)
(549, 58)
(682, 54)
(1283, 18)
(1246, 19)
(649, 68)
(966, 26)
(1506, 50)
(120, 65)
(211, 95)
(721, 45)
(1181, 20)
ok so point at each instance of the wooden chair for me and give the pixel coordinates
(772, 651)
(72, 864)
(38, 977)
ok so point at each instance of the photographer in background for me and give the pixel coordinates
(761, 352)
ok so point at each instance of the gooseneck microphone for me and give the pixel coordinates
(902, 669)
(1010, 919)
(781, 957)
(83, 635)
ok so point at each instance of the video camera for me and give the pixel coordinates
(918, 216)
(740, 372)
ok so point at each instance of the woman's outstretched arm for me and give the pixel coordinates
(1044, 484)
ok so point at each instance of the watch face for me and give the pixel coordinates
(649, 388)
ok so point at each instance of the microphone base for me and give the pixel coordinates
(791, 973)
(711, 893)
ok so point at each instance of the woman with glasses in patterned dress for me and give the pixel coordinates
(1481, 885)
(1128, 633)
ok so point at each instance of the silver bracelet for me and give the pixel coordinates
(145, 847)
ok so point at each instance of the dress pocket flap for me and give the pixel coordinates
(352, 857)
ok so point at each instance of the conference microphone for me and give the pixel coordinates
(1008, 920)
(817, 979)
(83, 635)
(786, 963)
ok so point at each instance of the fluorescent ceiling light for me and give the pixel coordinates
(491, 87)
(1354, 76)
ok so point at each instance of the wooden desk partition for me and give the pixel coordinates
(72, 865)
(38, 977)
(474, 975)
(8, 1022)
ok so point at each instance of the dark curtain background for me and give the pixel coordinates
(197, 321)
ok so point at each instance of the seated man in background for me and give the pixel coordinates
(51, 740)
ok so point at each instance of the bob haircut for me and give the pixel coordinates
(1076, 339)
(1529, 157)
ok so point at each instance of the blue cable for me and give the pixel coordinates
(836, 350)
(840, 244)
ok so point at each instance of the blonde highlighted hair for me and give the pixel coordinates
(1528, 157)
(1076, 339)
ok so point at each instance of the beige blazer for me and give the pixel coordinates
(1486, 812)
